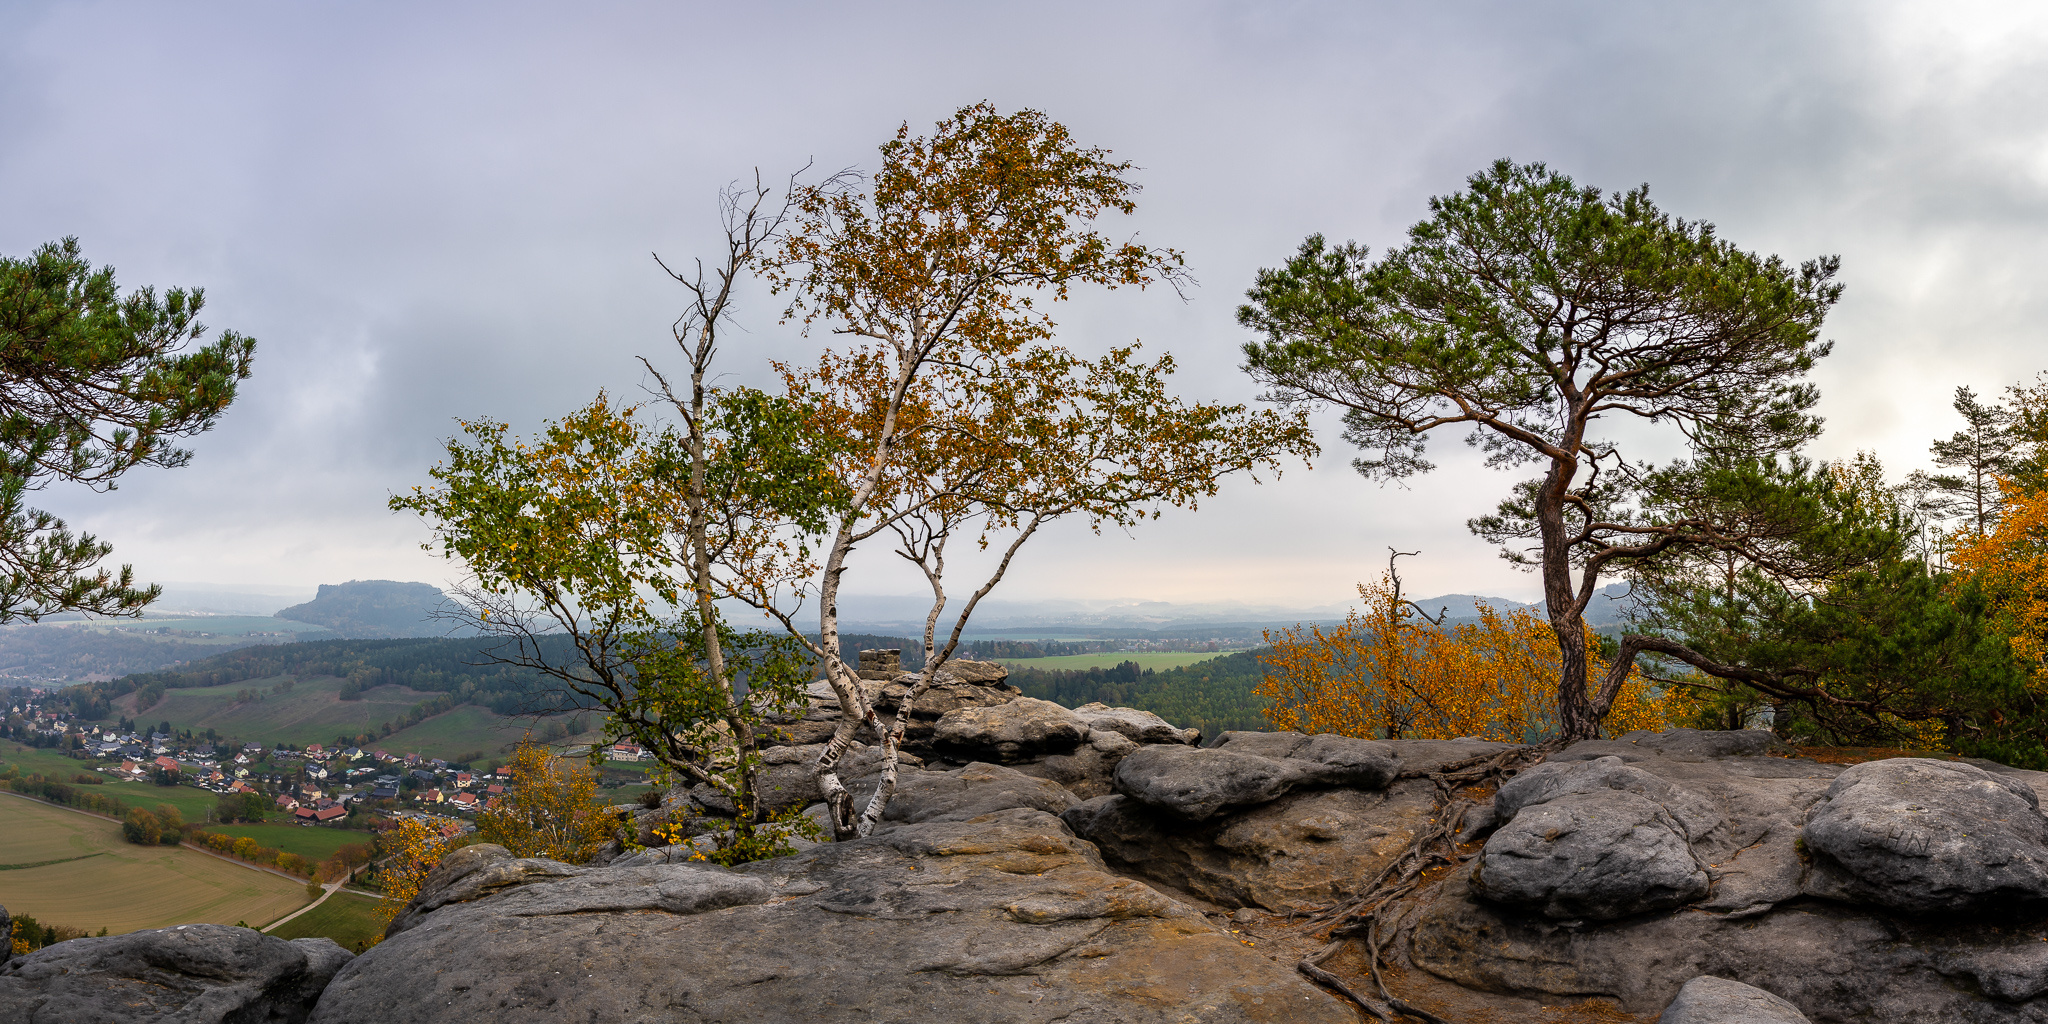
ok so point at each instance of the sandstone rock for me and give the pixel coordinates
(1019, 730)
(1004, 918)
(1707, 1000)
(1596, 840)
(984, 673)
(1306, 849)
(190, 974)
(1246, 769)
(1695, 815)
(1088, 772)
(1325, 760)
(1592, 856)
(1198, 784)
(1928, 836)
(1138, 726)
(968, 793)
(6, 940)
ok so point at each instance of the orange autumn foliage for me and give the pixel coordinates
(2011, 564)
(1386, 673)
(412, 852)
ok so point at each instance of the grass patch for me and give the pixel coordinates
(350, 920)
(192, 803)
(313, 712)
(464, 730)
(44, 761)
(1111, 659)
(312, 842)
(126, 887)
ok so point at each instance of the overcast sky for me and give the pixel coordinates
(425, 211)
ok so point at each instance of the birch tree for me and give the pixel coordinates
(987, 455)
(947, 257)
(623, 533)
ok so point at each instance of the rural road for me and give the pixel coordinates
(330, 887)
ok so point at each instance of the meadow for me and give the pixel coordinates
(313, 712)
(1111, 659)
(347, 918)
(312, 842)
(102, 881)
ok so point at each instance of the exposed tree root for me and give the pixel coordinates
(1380, 914)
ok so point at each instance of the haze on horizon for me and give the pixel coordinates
(431, 213)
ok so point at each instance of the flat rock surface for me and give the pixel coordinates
(189, 974)
(1006, 918)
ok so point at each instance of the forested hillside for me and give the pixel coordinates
(1213, 696)
(460, 668)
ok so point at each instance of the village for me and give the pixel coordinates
(312, 784)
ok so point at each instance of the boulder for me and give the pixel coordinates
(1927, 836)
(1020, 730)
(1003, 918)
(1593, 856)
(191, 974)
(967, 793)
(1594, 840)
(6, 937)
(1837, 965)
(1247, 769)
(1707, 1000)
(1198, 784)
(1138, 726)
(1695, 815)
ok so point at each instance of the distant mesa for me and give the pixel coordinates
(366, 609)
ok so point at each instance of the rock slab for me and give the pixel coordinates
(1006, 917)
(188, 974)
(1247, 769)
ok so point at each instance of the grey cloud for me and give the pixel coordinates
(426, 213)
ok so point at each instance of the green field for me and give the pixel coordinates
(313, 712)
(350, 920)
(102, 881)
(43, 761)
(1111, 659)
(312, 842)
